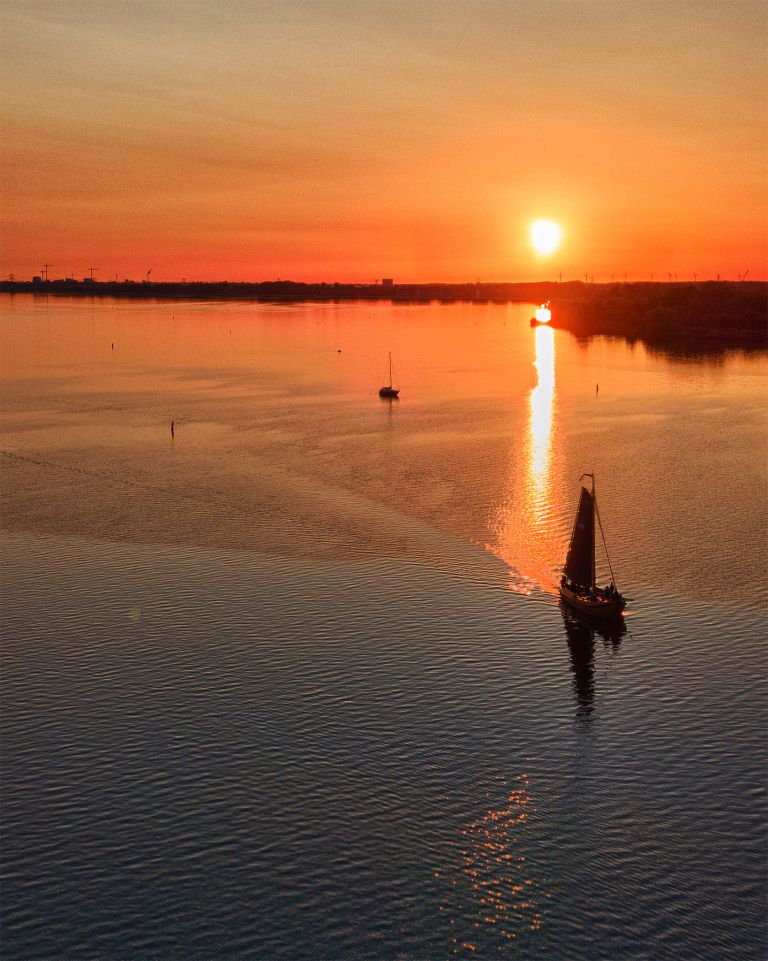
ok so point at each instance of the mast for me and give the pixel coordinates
(390, 368)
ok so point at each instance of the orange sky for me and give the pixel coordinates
(354, 140)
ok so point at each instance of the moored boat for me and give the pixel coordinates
(577, 585)
(389, 390)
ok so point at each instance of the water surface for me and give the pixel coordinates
(293, 683)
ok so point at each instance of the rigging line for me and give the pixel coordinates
(605, 546)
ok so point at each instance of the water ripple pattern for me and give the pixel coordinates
(220, 754)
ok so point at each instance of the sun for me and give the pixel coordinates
(545, 236)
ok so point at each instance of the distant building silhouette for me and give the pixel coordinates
(387, 282)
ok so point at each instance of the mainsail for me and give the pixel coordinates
(580, 562)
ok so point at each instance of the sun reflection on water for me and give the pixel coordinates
(527, 522)
(540, 421)
(491, 897)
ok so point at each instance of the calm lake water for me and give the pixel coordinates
(293, 683)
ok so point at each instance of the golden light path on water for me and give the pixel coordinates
(528, 537)
(541, 405)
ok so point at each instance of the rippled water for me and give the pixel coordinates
(293, 683)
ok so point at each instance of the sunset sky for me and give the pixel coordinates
(354, 140)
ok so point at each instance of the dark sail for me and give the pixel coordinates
(581, 554)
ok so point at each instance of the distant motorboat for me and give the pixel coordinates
(389, 390)
(543, 315)
(577, 585)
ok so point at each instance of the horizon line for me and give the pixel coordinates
(39, 280)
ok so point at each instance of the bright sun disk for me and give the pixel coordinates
(545, 236)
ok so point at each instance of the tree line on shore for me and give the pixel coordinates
(697, 315)
(712, 313)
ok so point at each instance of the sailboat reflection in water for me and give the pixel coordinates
(577, 585)
(581, 636)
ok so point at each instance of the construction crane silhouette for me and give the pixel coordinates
(44, 271)
(92, 270)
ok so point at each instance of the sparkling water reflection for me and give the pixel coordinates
(541, 419)
(527, 526)
(492, 897)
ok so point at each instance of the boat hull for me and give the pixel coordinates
(388, 392)
(599, 605)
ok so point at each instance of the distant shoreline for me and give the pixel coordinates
(696, 316)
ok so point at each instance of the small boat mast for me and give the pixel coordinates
(389, 390)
